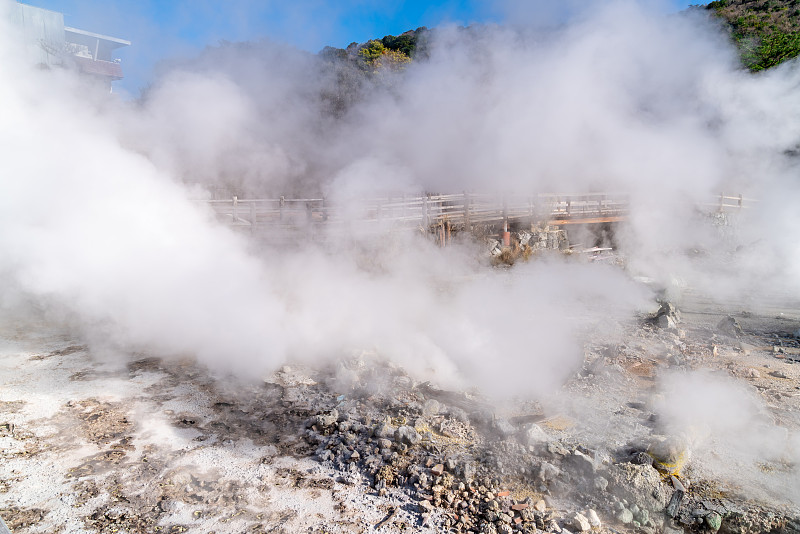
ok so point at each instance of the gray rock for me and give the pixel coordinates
(667, 316)
(666, 322)
(327, 420)
(580, 462)
(714, 521)
(468, 471)
(641, 515)
(579, 522)
(547, 472)
(504, 428)
(431, 407)
(593, 518)
(407, 434)
(534, 434)
(625, 516)
(730, 325)
(383, 430)
(638, 484)
(677, 498)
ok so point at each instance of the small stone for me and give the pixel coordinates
(540, 505)
(730, 325)
(753, 373)
(431, 407)
(579, 522)
(407, 434)
(625, 516)
(384, 443)
(326, 420)
(642, 516)
(677, 497)
(437, 470)
(534, 434)
(519, 507)
(714, 521)
(593, 518)
(383, 430)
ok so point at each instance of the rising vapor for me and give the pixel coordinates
(97, 225)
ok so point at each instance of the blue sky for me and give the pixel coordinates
(160, 29)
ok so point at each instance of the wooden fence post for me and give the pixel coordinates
(467, 225)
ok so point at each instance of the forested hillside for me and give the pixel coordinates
(767, 32)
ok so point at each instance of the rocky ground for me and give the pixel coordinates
(92, 443)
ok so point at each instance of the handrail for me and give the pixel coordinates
(428, 210)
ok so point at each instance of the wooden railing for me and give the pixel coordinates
(461, 210)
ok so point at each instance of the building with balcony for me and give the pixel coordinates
(50, 44)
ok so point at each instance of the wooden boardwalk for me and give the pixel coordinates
(461, 211)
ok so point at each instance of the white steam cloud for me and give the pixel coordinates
(733, 436)
(95, 219)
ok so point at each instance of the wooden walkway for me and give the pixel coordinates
(462, 211)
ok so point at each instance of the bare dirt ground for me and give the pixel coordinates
(138, 444)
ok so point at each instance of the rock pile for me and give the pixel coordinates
(483, 473)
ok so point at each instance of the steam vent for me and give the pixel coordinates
(496, 268)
